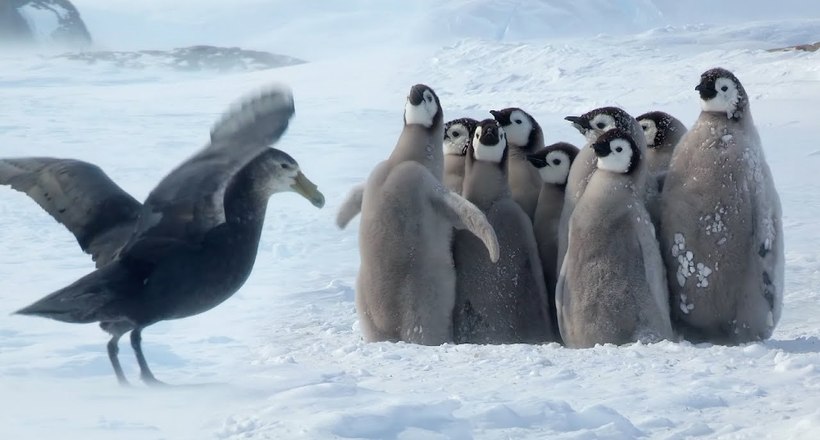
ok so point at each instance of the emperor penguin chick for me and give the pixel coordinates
(503, 302)
(458, 134)
(662, 132)
(524, 136)
(553, 163)
(612, 286)
(722, 228)
(406, 288)
(593, 124)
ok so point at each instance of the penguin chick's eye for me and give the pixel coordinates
(429, 98)
(724, 88)
(519, 122)
(619, 149)
(601, 125)
(286, 166)
(556, 161)
(456, 134)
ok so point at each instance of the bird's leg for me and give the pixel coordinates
(113, 351)
(145, 373)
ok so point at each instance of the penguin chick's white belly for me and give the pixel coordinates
(604, 292)
(453, 172)
(720, 251)
(406, 283)
(503, 302)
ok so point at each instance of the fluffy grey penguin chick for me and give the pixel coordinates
(503, 302)
(406, 288)
(458, 136)
(662, 132)
(553, 164)
(612, 286)
(593, 124)
(524, 136)
(722, 229)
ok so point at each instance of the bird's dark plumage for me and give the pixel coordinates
(81, 197)
(195, 240)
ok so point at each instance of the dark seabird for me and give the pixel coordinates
(189, 247)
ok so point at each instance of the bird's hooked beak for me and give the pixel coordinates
(307, 189)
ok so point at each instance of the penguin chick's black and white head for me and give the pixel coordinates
(600, 120)
(489, 142)
(276, 171)
(458, 135)
(554, 161)
(721, 92)
(617, 152)
(521, 128)
(422, 107)
(656, 126)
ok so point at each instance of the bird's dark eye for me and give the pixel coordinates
(429, 98)
(286, 166)
(518, 121)
(456, 134)
(556, 161)
(600, 125)
(619, 149)
(724, 88)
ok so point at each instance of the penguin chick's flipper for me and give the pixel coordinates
(465, 215)
(351, 207)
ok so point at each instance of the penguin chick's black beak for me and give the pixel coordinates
(579, 122)
(501, 117)
(489, 135)
(537, 161)
(706, 89)
(601, 149)
(416, 95)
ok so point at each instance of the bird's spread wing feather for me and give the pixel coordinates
(189, 201)
(80, 196)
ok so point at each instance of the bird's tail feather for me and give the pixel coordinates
(87, 300)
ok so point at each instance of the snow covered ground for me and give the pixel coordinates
(284, 357)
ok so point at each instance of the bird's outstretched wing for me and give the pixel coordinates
(189, 201)
(80, 196)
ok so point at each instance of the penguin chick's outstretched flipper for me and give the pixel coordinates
(351, 207)
(467, 216)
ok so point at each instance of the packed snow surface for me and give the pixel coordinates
(284, 357)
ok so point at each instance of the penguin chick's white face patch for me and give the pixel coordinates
(557, 168)
(422, 114)
(650, 130)
(725, 100)
(490, 153)
(618, 159)
(600, 124)
(456, 139)
(518, 132)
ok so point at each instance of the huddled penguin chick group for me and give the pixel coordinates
(648, 232)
